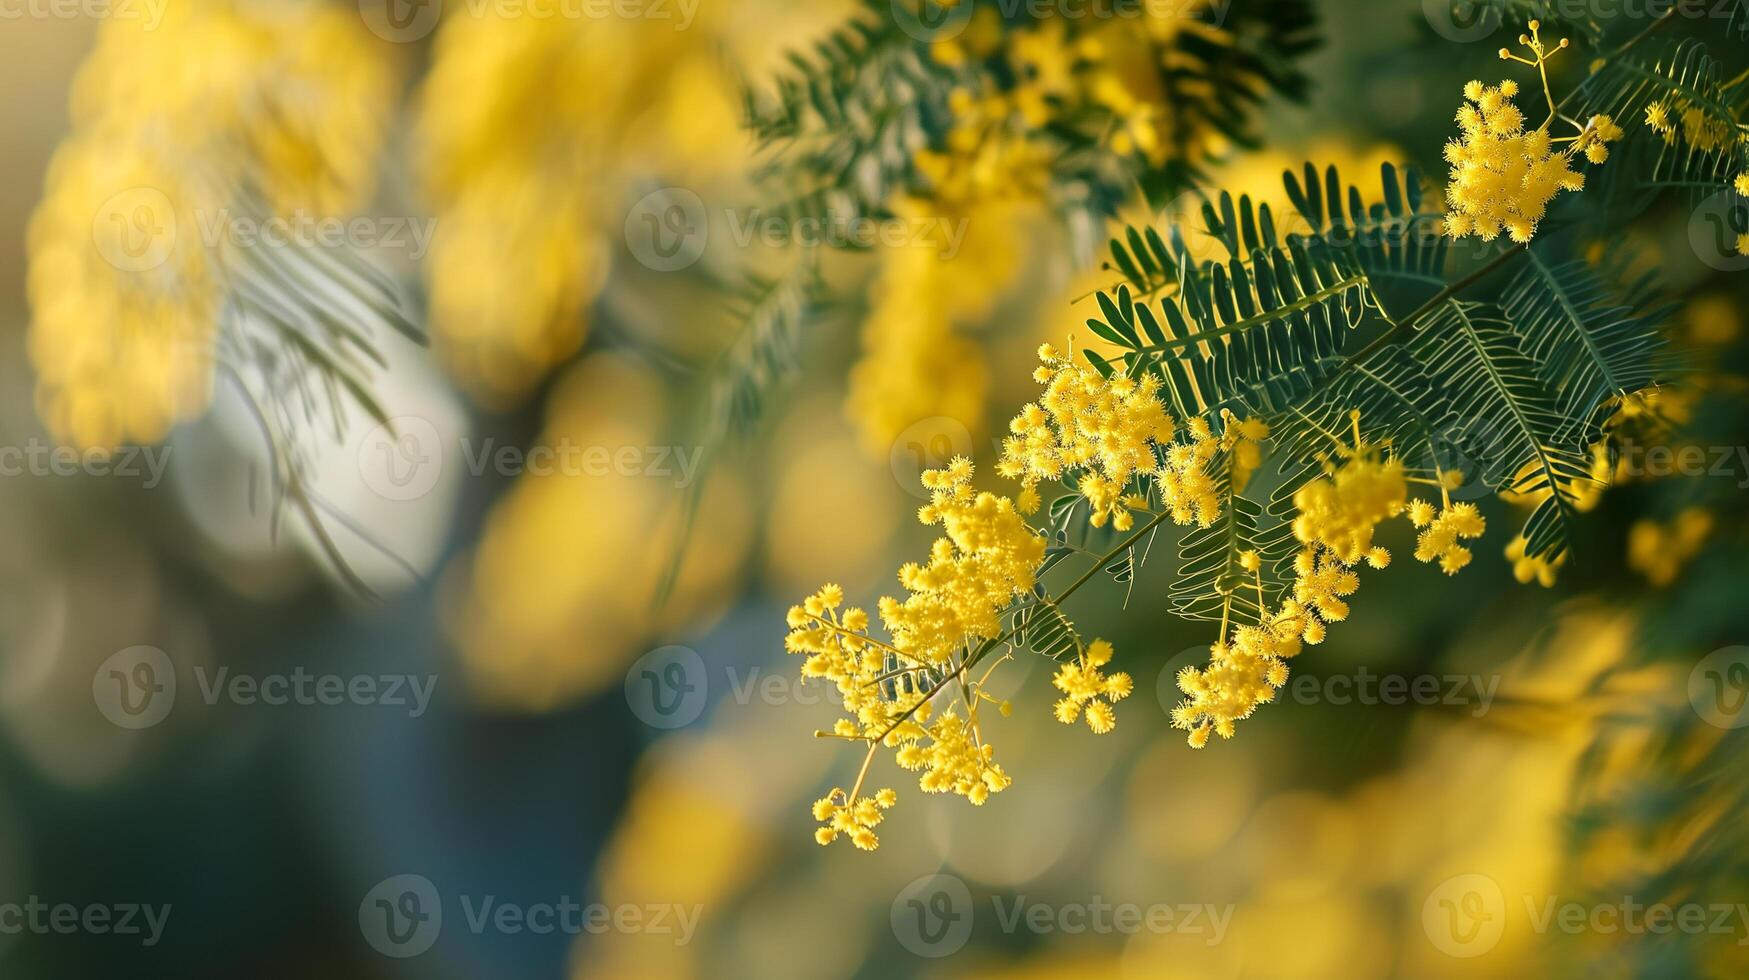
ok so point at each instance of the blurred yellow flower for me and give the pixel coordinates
(175, 125)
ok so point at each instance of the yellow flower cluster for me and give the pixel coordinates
(1701, 128)
(170, 121)
(1336, 517)
(838, 649)
(1502, 175)
(953, 756)
(1338, 513)
(1106, 429)
(1064, 70)
(1106, 432)
(1085, 686)
(989, 557)
(1244, 671)
(1659, 550)
(856, 818)
(1443, 530)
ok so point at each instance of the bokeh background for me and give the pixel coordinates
(1585, 745)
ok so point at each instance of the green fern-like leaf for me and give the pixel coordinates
(1683, 77)
(1247, 335)
(1578, 20)
(1041, 627)
(1395, 238)
(1514, 431)
(1211, 584)
(1587, 345)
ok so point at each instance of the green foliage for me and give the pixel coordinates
(299, 341)
(1395, 239)
(1210, 581)
(1514, 430)
(1588, 344)
(1041, 627)
(1681, 76)
(841, 128)
(1248, 335)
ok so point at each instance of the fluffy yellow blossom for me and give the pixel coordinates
(855, 818)
(1503, 175)
(1338, 512)
(1104, 430)
(1244, 670)
(1658, 551)
(1084, 685)
(988, 557)
(1742, 184)
(169, 120)
(1441, 533)
(838, 649)
(1658, 118)
(1190, 493)
(953, 758)
(1104, 434)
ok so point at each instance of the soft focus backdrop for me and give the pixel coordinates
(517, 738)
